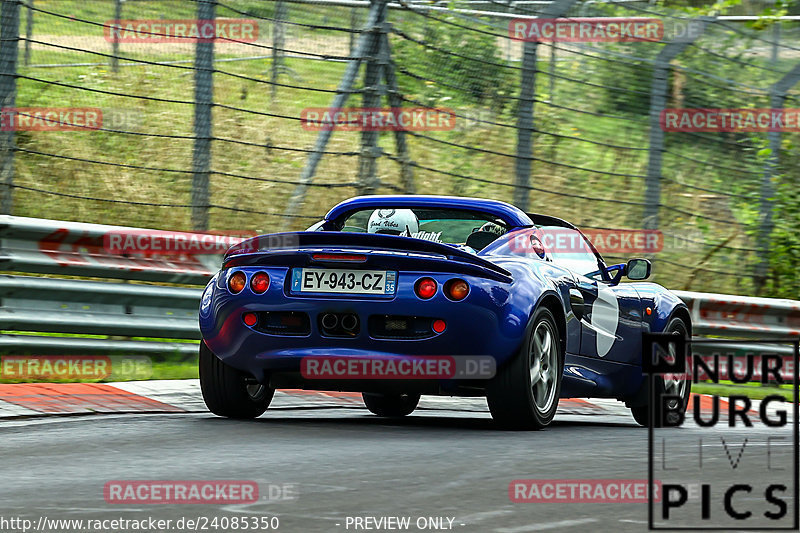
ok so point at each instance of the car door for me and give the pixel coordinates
(611, 317)
(611, 325)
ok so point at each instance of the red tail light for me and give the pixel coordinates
(456, 289)
(439, 325)
(425, 288)
(236, 282)
(259, 283)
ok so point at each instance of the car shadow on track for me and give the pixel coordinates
(465, 421)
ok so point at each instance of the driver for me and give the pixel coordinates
(393, 222)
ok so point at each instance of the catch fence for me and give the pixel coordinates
(210, 134)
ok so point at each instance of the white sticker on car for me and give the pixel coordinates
(435, 236)
(605, 318)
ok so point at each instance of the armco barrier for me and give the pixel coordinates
(740, 316)
(119, 309)
(122, 309)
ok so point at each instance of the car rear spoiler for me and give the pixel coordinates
(248, 251)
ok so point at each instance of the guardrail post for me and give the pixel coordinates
(658, 102)
(28, 32)
(527, 94)
(203, 102)
(777, 97)
(115, 36)
(9, 50)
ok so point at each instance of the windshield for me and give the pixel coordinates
(449, 226)
(563, 246)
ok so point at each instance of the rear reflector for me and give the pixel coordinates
(352, 258)
(439, 325)
(250, 319)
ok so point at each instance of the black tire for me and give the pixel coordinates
(227, 391)
(391, 405)
(511, 397)
(641, 412)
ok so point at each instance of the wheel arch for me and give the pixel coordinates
(552, 302)
(682, 312)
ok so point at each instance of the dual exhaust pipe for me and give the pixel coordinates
(339, 324)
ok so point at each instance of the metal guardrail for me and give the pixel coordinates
(117, 309)
(741, 316)
(121, 309)
(751, 319)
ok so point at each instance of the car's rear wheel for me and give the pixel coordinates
(666, 384)
(525, 392)
(230, 392)
(393, 405)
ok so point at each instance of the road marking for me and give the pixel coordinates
(547, 525)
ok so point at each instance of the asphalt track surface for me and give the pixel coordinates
(344, 462)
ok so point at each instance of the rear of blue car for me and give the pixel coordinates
(269, 309)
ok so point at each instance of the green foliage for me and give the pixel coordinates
(626, 86)
(784, 258)
(466, 65)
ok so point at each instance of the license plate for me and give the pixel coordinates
(341, 281)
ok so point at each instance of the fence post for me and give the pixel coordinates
(9, 49)
(278, 43)
(406, 164)
(777, 93)
(527, 93)
(658, 102)
(115, 37)
(203, 98)
(28, 32)
(342, 93)
(353, 26)
(371, 98)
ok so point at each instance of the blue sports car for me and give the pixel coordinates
(399, 296)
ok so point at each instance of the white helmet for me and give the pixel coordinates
(393, 222)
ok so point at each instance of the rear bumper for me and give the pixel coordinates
(483, 324)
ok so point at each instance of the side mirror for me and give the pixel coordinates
(638, 269)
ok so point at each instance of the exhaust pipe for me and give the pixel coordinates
(349, 322)
(330, 321)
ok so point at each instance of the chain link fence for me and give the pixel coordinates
(212, 133)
